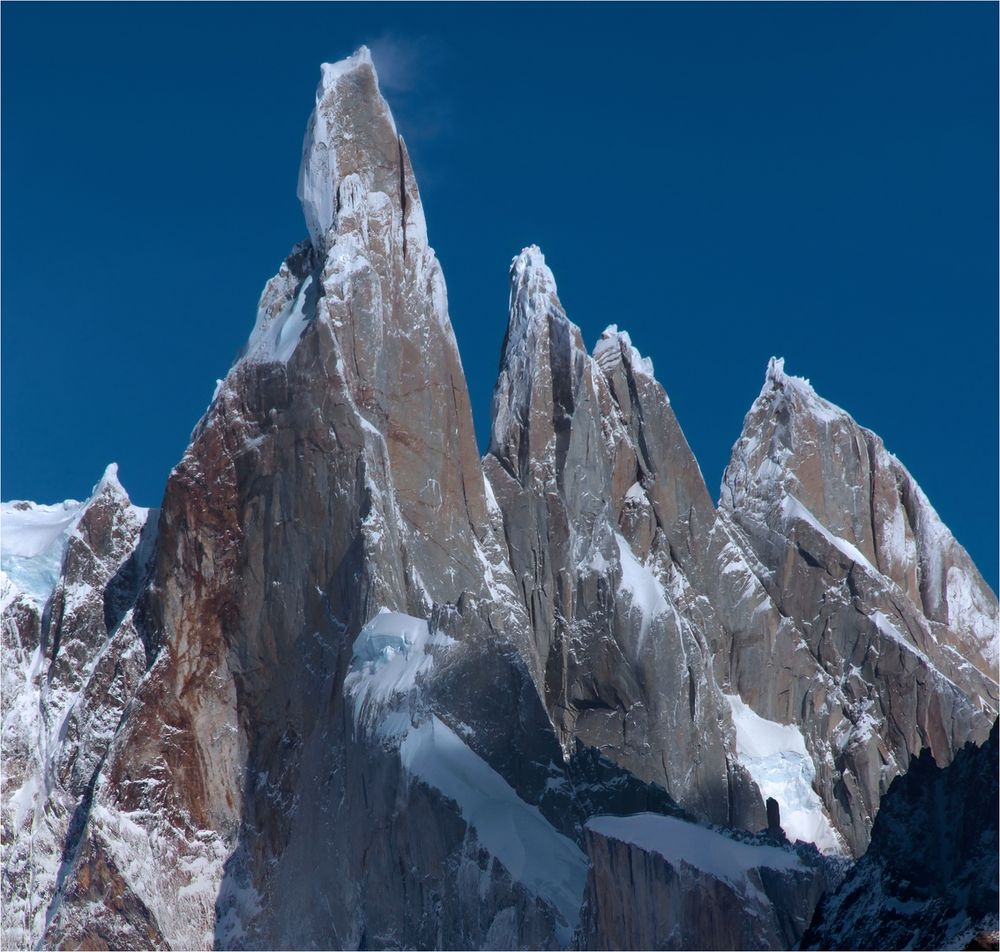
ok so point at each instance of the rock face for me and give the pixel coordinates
(335, 474)
(929, 878)
(354, 687)
(659, 883)
(893, 643)
(71, 659)
(602, 507)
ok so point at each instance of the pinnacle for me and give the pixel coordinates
(351, 131)
(533, 295)
(615, 345)
(775, 370)
(530, 266)
(109, 482)
(331, 72)
(775, 378)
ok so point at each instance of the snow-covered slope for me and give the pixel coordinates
(71, 660)
(778, 760)
(32, 542)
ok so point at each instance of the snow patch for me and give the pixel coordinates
(331, 72)
(793, 509)
(776, 757)
(390, 653)
(28, 529)
(275, 339)
(642, 587)
(492, 506)
(33, 538)
(888, 630)
(821, 409)
(636, 494)
(969, 611)
(612, 345)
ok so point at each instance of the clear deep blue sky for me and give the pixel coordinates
(816, 181)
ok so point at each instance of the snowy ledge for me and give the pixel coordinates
(682, 843)
(547, 863)
(393, 653)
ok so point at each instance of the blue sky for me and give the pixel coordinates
(727, 182)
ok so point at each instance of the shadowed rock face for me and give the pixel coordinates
(929, 878)
(369, 690)
(654, 886)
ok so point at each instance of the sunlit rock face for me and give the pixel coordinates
(72, 659)
(885, 656)
(354, 687)
(604, 510)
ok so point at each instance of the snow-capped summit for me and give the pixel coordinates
(529, 265)
(613, 344)
(33, 537)
(850, 550)
(331, 72)
(542, 349)
(533, 297)
(352, 154)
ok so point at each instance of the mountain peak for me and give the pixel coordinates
(109, 482)
(350, 132)
(572, 631)
(775, 378)
(777, 383)
(332, 72)
(775, 370)
(533, 298)
(529, 267)
(614, 345)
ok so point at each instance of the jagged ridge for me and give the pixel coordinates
(348, 615)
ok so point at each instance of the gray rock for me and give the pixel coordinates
(603, 505)
(890, 641)
(660, 883)
(335, 474)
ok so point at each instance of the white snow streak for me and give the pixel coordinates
(680, 842)
(549, 864)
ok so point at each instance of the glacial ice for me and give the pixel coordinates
(389, 654)
(776, 757)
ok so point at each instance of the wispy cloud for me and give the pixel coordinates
(408, 72)
(398, 60)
